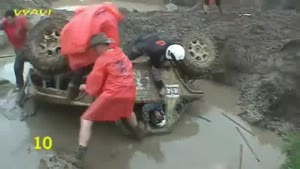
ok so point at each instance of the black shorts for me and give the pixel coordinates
(77, 78)
(218, 2)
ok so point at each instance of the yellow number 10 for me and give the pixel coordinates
(46, 143)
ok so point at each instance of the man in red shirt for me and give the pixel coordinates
(112, 84)
(16, 30)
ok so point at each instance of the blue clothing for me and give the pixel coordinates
(149, 108)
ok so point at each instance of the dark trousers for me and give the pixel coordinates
(77, 78)
(19, 67)
(218, 2)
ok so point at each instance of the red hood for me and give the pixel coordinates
(113, 9)
(106, 6)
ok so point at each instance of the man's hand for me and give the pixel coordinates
(162, 91)
(82, 87)
(134, 61)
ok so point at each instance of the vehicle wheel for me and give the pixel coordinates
(42, 49)
(201, 54)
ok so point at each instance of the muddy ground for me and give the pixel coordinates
(195, 142)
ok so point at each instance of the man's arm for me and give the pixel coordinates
(96, 79)
(156, 73)
(139, 46)
(134, 53)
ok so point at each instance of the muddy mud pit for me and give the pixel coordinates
(265, 80)
(205, 144)
(258, 52)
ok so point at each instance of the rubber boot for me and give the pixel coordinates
(72, 91)
(76, 159)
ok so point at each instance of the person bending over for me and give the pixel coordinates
(112, 83)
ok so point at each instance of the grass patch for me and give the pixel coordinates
(293, 152)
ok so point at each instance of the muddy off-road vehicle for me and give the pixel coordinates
(49, 77)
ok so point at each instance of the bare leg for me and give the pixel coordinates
(85, 132)
(84, 137)
(205, 6)
(133, 123)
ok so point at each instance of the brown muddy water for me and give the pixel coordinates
(194, 143)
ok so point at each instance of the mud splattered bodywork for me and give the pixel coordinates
(177, 95)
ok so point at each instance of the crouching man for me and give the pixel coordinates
(112, 83)
(159, 48)
(153, 115)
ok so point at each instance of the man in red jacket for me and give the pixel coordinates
(75, 35)
(16, 30)
(112, 83)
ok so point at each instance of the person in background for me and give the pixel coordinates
(16, 28)
(105, 19)
(209, 2)
(112, 83)
(159, 48)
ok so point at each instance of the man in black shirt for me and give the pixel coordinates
(159, 48)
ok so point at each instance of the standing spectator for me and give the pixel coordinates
(209, 2)
(16, 28)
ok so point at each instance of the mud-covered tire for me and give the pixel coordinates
(201, 55)
(46, 58)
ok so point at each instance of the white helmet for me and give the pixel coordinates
(177, 51)
(162, 123)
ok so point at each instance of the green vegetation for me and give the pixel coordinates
(293, 153)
